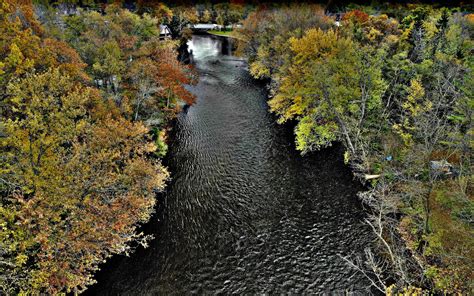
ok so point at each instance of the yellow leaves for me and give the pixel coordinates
(315, 44)
(430, 29)
(347, 157)
(83, 174)
(16, 59)
(374, 34)
(393, 290)
(455, 40)
(312, 135)
(405, 36)
(297, 108)
(406, 136)
(415, 103)
(323, 85)
(21, 259)
(287, 103)
(149, 177)
(416, 90)
(46, 116)
(3, 6)
(259, 70)
(148, 148)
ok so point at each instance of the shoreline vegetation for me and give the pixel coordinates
(87, 95)
(86, 98)
(397, 91)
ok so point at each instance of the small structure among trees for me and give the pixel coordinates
(206, 27)
(165, 32)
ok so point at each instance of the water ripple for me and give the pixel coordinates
(245, 213)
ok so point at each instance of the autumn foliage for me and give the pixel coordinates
(78, 165)
(398, 93)
(356, 16)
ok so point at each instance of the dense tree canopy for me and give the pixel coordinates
(78, 168)
(86, 96)
(398, 94)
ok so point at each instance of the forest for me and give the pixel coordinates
(85, 102)
(395, 85)
(89, 91)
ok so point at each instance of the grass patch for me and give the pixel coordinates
(221, 33)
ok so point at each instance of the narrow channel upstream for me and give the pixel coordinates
(244, 213)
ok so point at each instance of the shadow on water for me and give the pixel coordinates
(244, 212)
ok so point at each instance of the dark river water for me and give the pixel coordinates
(244, 213)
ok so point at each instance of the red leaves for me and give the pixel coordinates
(95, 182)
(127, 42)
(158, 59)
(66, 58)
(356, 16)
(172, 76)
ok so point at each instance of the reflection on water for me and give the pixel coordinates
(244, 213)
(206, 48)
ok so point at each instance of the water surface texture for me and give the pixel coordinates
(244, 213)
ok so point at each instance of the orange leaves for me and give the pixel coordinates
(118, 134)
(127, 42)
(356, 16)
(76, 163)
(90, 205)
(66, 59)
(126, 56)
(374, 28)
(20, 51)
(23, 11)
(82, 174)
(25, 51)
(173, 77)
(157, 72)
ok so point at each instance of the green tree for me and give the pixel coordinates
(333, 89)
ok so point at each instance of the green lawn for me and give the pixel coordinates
(221, 33)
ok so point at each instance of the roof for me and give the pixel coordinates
(164, 30)
(205, 26)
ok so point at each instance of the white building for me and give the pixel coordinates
(206, 27)
(165, 32)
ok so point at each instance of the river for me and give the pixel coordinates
(244, 212)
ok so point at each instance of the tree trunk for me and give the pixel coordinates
(341, 124)
(426, 229)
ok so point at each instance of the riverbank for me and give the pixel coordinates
(93, 166)
(228, 34)
(365, 81)
(221, 33)
(244, 213)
